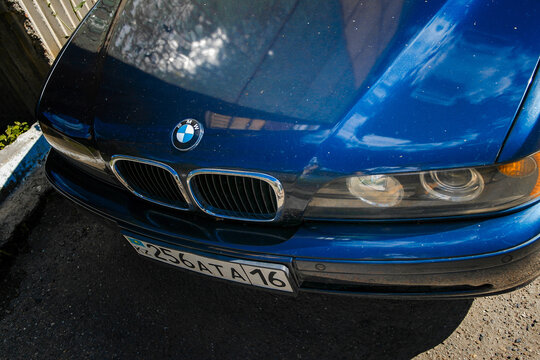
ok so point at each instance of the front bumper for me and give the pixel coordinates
(449, 259)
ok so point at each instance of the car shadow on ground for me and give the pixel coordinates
(104, 301)
(229, 321)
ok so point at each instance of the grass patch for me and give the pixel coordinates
(12, 133)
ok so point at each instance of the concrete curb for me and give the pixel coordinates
(22, 180)
(22, 202)
(17, 160)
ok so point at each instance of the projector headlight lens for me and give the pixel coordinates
(453, 185)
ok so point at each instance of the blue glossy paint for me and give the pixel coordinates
(67, 98)
(69, 126)
(524, 139)
(449, 97)
(450, 85)
(440, 91)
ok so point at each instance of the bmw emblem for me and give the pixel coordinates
(187, 134)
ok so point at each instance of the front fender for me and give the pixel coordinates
(524, 137)
(67, 97)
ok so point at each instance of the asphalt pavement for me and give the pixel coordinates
(77, 289)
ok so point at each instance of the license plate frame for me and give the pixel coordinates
(266, 275)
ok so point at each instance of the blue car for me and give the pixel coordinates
(385, 148)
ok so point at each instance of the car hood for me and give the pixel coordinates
(316, 86)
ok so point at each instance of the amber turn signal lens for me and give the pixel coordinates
(536, 190)
(521, 168)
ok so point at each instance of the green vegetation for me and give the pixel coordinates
(76, 9)
(12, 132)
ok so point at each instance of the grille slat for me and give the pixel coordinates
(267, 198)
(207, 189)
(171, 185)
(151, 181)
(211, 190)
(233, 196)
(158, 181)
(220, 203)
(239, 195)
(132, 175)
(128, 170)
(246, 189)
(274, 202)
(162, 183)
(261, 192)
(147, 183)
(255, 197)
(138, 181)
(225, 194)
(236, 196)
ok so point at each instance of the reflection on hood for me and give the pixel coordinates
(271, 56)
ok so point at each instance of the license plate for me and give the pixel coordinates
(266, 275)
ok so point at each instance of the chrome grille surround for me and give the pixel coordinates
(116, 159)
(274, 184)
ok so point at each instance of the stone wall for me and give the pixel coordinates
(23, 65)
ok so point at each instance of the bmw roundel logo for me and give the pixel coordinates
(187, 134)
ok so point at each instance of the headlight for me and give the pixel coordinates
(455, 185)
(376, 190)
(430, 193)
(73, 149)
